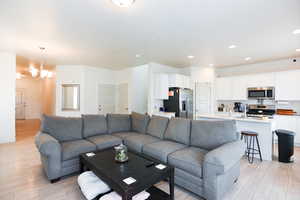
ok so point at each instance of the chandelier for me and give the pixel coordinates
(41, 72)
(123, 3)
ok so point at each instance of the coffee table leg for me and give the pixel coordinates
(81, 166)
(171, 184)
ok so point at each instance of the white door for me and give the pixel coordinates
(20, 104)
(122, 98)
(106, 98)
(203, 92)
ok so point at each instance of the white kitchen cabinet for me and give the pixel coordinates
(239, 88)
(161, 86)
(179, 80)
(260, 80)
(224, 88)
(287, 85)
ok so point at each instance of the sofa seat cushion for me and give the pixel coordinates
(189, 159)
(73, 149)
(160, 150)
(105, 141)
(136, 142)
(124, 135)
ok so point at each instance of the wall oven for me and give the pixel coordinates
(267, 93)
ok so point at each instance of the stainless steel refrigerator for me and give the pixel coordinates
(181, 102)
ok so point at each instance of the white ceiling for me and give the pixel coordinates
(97, 33)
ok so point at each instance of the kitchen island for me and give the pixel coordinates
(264, 128)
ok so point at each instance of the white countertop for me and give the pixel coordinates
(235, 117)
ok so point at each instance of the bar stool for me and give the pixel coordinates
(250, 138)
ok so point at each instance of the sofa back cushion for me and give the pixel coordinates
(118, 123)
(179, 130)
(157, 126)
(62, 128)
(139, 122)
(210, 134)
(94, 125)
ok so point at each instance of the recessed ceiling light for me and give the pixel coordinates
(123, 3)
(191, 57)
(232, 46)
(137, 55)
(297, 31)
(248, 58)
(298, 50)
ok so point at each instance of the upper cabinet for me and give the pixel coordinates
(287, 85)
(235, 87)
(260, 80)
(223, 88)
(179, 80)
(161, 86)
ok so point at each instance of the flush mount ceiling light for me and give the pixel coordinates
(232, 46)
(248, 58)
(137, 55)
(211, 65)
(191, 57)
(298, 50)
(123, 3)
(297, 31)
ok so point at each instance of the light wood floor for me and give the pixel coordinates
(21, 176)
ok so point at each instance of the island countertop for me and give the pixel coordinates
(235, 117)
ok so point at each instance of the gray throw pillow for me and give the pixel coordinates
(139, 122)
(208, 134)
(179, 130)
(157, 126)
(62, 128)
(94, 125)
(118, 123)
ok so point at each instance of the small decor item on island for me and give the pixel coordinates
(121, 153)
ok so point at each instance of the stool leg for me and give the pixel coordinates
(253, 148)
(249, 144)
(258, 148)
(247, 149)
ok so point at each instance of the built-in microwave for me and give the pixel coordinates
(267, 93)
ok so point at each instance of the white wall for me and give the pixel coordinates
(67, 74)
(273, 66)
(8, 89)
(92, 78)
(137, 80)
(89, 78)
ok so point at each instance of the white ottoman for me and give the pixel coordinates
(91, 186)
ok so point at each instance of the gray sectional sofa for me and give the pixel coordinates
(206, 154)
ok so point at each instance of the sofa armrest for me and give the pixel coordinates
(225, 156)
(51, 153)
(47, 145)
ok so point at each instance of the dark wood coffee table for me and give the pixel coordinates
(103, 164)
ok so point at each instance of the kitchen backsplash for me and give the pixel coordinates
(295, 105)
